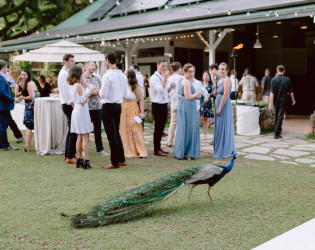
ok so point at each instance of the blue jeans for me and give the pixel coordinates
(5, 117)
(96, 118)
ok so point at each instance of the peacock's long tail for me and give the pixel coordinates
(134, 203)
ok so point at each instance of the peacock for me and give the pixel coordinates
(140, 201)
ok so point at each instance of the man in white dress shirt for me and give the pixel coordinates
(139, 76)
(67, 106)
(112, 93)
(159, 98)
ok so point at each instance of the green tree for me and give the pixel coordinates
(20, 18)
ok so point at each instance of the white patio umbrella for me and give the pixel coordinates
(55, 52)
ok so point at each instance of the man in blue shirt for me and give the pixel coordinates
(17, 133)
(6, 104)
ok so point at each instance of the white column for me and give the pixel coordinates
(211, 47)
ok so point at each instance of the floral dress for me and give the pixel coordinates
(29, 109)
(206, 107)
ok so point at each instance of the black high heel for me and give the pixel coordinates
(79, 163)
(86, 164)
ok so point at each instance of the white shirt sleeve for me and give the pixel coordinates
(105, 86)
(156, 84)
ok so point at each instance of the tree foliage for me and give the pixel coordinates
(20, 18)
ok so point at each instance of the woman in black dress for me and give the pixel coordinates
(44, 88)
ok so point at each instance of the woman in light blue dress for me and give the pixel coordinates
(187, 139)
(223, 143)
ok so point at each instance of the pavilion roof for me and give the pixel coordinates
(163, 21)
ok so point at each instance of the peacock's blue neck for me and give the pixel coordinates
(230, 166)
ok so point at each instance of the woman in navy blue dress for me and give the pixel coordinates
(223, 143)
(187, 139)
(206, 105)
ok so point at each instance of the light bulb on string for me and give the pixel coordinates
(166, 7)
(187, 9)
(229, 12)
(25, 31)
(13, 30)
(117, 3)
(248, 13)
(91, 1)
(208, 11)
(295, 13)
(141, 5)
(277, 14)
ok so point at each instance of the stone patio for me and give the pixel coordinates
(292, 149)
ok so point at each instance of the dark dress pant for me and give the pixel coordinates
(111, 120)
(96, 118)
(4, 123)
(159, 112)
(280, 111)
(17, 133)
(71, 137)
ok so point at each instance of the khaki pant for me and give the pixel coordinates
(172, 128)
(249, 95)
(266, 99)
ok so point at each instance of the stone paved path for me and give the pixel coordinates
(292, 149)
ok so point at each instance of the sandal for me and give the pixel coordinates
(27, 149)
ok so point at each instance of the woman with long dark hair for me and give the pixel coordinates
(130, 129)
(26, 89)
(44, 88)
(206, 106)
(80, 117)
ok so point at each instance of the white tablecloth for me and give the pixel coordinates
(50, 125)
(18, 115)
(247, 120)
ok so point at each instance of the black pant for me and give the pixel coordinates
(96, 118)
(233, 95)
(71, 137)
(111, 119)
(14, 128)
(4, 123)
(280, 111)
(159, 112)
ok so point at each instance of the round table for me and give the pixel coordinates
(50, 126)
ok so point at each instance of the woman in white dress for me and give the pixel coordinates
(80, 118)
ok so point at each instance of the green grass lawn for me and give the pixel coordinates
(257, 201)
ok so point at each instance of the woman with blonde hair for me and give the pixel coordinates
(130, 128)
(223, 142)
(187, 139)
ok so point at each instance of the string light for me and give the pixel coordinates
(25, 31)
(229, 12)
(278, 22)
(166, 7)
(47, 34)
(187, 9)
(267, 14)
(208, 11)
(295, 13)
(117, 3)
(248, 13)
(13, 30)
(277, 14)
(141, 5)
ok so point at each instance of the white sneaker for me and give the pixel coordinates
(103, 153)
(142, 156)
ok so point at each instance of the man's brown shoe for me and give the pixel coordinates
(159, 153)
(123, 164)
(71, 161)
(9, 148)
(110, 166)
(65, 158)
